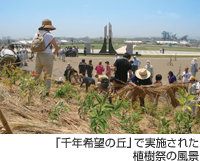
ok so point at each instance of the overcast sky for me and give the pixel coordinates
(129, 18)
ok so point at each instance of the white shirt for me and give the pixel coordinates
(117, 57)
(48, 37)
(60, 51)
(198, 86)
(186, 76)
(7, 52)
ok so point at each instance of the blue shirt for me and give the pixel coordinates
(135, 62)
(139, 82)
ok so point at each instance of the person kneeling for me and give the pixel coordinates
(141, 77)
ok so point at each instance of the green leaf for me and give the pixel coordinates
(109, 106)
(92, 113)
(93, 124)
(190, 97)
(92, 118)
(188, 108)
(160, 124)
(102, 125)
(98, 99)
(181, 100)
(117, 114)
(79, 98)
(104, 99)
(118, 105)
(181, 92)
(100, 131)
(107, 126)
(108, 113)
(164, 121)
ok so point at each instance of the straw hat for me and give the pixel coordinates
(100, 61)
(142, 73)
(47, 24)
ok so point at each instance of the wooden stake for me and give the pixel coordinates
(5, 123)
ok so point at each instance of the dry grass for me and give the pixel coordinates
(153, 91)
(34, 118)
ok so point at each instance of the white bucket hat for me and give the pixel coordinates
(142, 73)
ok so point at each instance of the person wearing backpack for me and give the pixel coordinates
(42, 41)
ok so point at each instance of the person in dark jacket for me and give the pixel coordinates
(89, 69)
(82, 67)
(171, 77)
(88, 81)
(141, 77)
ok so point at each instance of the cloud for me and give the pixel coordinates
(172, 15)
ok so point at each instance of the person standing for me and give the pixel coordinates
(149, 67)
(108, 71)
(186, 75)
(82, 67)
(89, 68)
(63, 55)
(99, 68)
(45, 59)
(59, 53)
(160, 50)
(171, 77)
(116, 57)
(24, 56)
(193, 91)
(163, 50)
(121, 67)
(194, 67)
(136, 64)
(77, 51)
(85, 50)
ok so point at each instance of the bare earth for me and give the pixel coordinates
(159, 64)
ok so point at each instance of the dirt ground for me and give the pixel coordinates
(159, 64)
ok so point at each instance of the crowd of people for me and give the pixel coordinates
(67, 51)
(125, 70)
(19, 55)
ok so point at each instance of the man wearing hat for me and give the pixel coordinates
(141, 77)
(82, 67)
(89, 68)
(8, 55)
(45, 59)
(99, 68)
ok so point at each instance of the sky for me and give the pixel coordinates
(80, 18)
